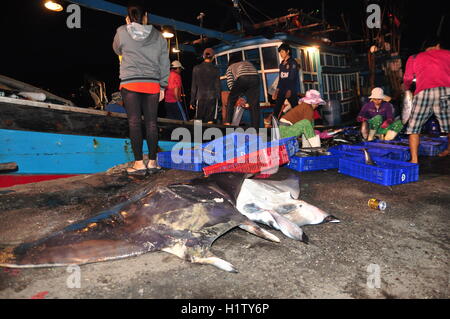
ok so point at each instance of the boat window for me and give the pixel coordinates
(270, 78)
(253, 57)
(342, 61)
(322, 59)
(329, 60)
(270, 58)
(308, 62)
(222, 64)
(236, 54)
(302, 58)
(335, 60)
(314, 60)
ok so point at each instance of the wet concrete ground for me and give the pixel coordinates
(408, 243)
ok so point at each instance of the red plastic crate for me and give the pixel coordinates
(252, 163)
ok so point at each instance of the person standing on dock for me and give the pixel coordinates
(174, 106)
(243, 80)
(144, 73)
(205, 90)
(288, 83)
(431, 69)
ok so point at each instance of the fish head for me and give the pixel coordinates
(303, 213)
(331, 219)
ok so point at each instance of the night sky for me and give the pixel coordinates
(39, 49)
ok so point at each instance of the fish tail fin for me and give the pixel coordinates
(254, 229)
(289, 228)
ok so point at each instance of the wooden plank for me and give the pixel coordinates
(8, 167)
(18, 114)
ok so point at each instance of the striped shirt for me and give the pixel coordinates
(239, 69)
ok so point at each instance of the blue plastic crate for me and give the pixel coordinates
(316, 163)
(291, 143)
(429, 148)
(386, 172)
(397, 152)
(442, 139)
(357, 150)
(184, 159)
(229, 147)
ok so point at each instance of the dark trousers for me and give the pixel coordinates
(293, 100)
(248, 85)
(138, 104)
(207, 110)
(174, 111)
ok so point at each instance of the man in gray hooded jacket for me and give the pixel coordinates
(144, 73)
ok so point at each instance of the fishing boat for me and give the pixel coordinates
(49, 141)
(54, 138)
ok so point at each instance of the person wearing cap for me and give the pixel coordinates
(299, 121)
(431, 69)
(173, 98)
(377, 117)
(144, 73)
(205, 89)
(289, 81)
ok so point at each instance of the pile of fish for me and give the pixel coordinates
(183, 219)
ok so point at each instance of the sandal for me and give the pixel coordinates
(132, 170)
(155, 169)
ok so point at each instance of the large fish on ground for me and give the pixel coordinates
(407, 106)
(276, 204)
(182, 219)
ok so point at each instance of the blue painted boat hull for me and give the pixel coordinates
(48, 153)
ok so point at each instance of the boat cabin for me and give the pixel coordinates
(325, 69)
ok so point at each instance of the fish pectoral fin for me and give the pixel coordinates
(214, 261)
(199, 255)
(289, 228)
(254, 229)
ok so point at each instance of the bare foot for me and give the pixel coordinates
(152, 164)
(444, 153)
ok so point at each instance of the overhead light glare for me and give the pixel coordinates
(54, 6)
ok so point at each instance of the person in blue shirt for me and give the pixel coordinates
(288, 83)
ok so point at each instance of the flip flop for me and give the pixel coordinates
(132, 170)
(154, 170)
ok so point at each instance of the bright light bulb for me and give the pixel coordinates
(312, 49)
(168, 35)
(54, 6)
